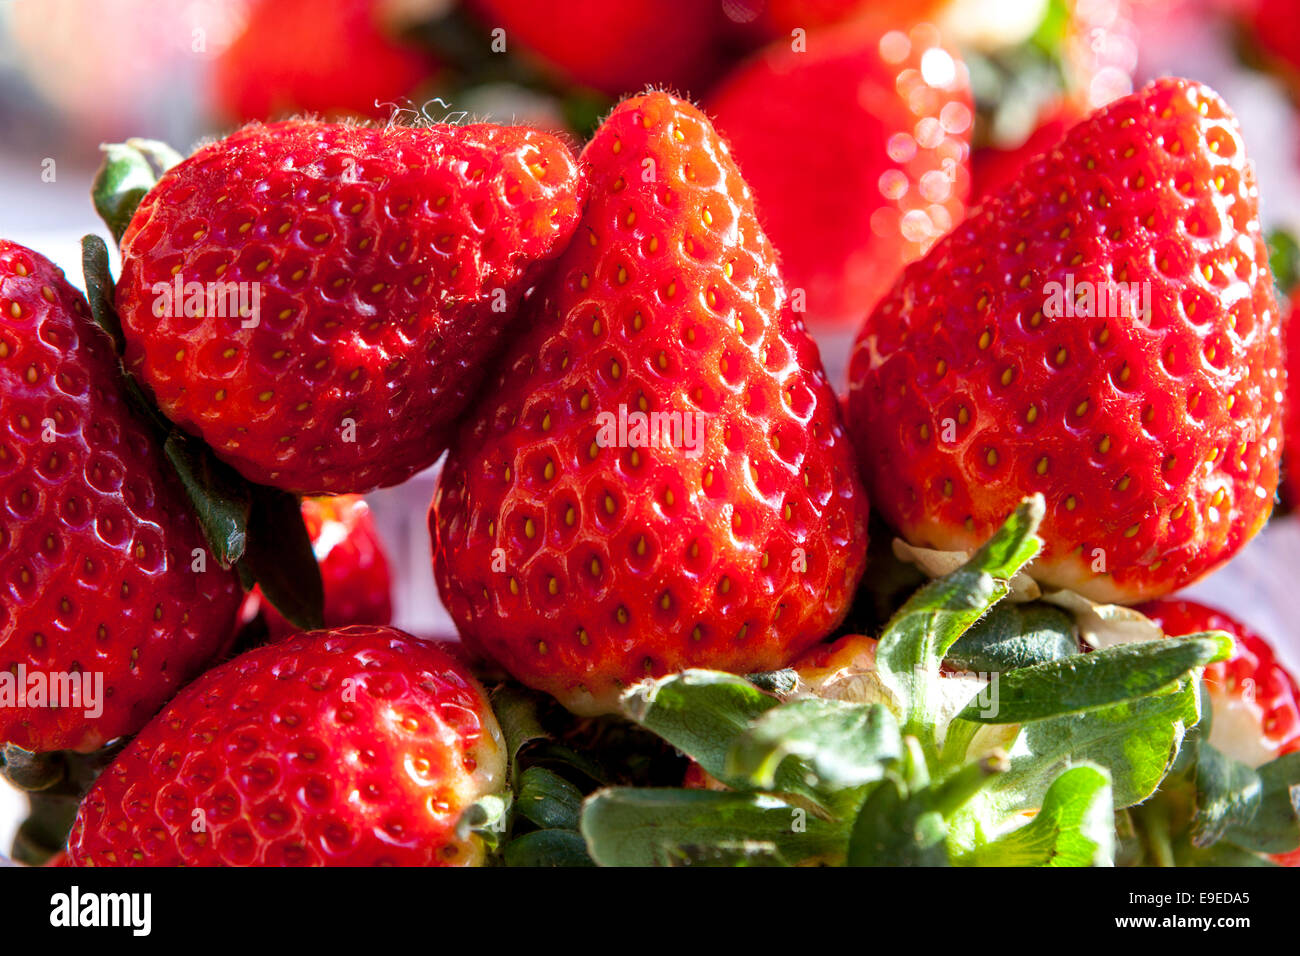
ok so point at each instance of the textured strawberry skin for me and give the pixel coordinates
(1252, 679)
(1155, 443)
(305, 56)
(616, 48)
(881, 167)
(618, 563)
(353, 565)
(387, 261)
(350, 747)
(97, 537)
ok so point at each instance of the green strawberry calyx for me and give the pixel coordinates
(898, 760)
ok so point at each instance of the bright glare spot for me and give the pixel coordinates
(938, 68)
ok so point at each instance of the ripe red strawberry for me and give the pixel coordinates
(615, 48)
(306, 56)
(857, 151)
(1151, 425)
(348, 747)
(353, 566)
(98, 542)
(583, 560)
(386, 261)
(1255, 701)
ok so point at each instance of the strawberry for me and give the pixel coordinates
(581, 552)
(880, 172)
(1255, 702)
(307, 56)
(1147, 411)
(353, 566)
(381, 266)
(105, 570)
(612, 47)
(346, 747)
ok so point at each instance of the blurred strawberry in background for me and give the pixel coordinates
(1272, 27)
(856, 146)
(327, 57)
(353, 566)
(1080, 57)
(777, 19)
(615, 48)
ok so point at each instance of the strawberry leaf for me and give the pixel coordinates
(125, 177)
(897, 829)
(1075, 827)
(841, 744)
(548, 800)
(279, 558)
(1087, 681)
(915, 641)
(663, 827)
(221, 497)
(1012, 636)
(1227, 794)
(1136, 742)
(99, 289)
(1275, 826)
(702, 714)
(548, 848)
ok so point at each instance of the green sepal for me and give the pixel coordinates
(222, 499)
(548, 848)
(665, 827)
(841, 744)
(128, 172)
(1075, 827)
(1275, 825)
(894, 828)
(1088, 681)
(548, 800)
(1011, 636)
(915, 641)
(1136, 742)
(279, 557)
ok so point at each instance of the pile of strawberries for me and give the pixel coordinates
(647, 470)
